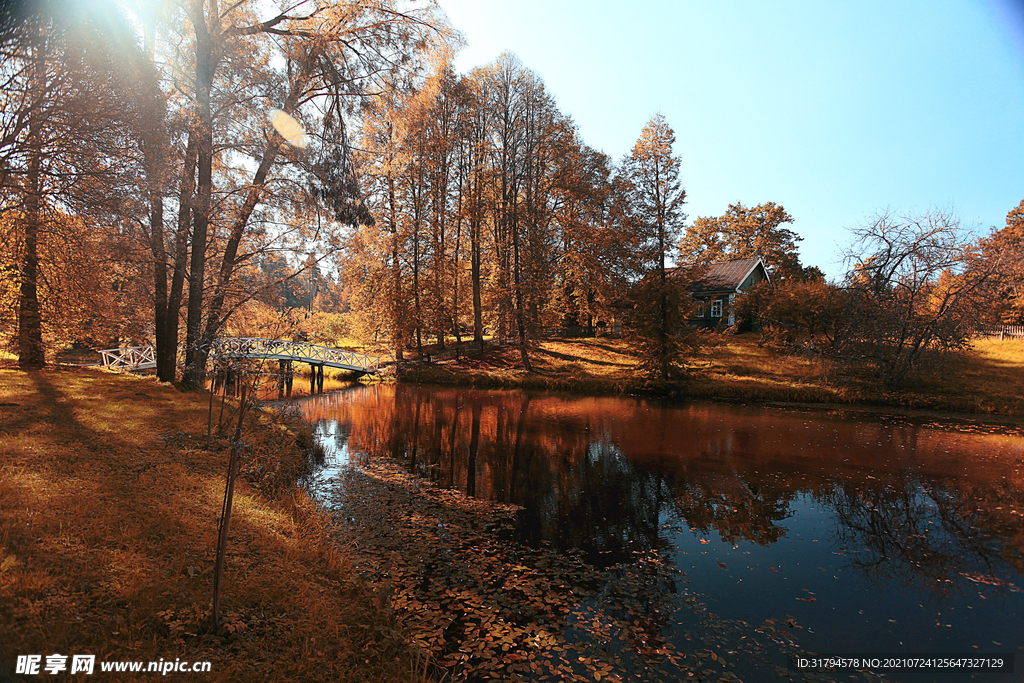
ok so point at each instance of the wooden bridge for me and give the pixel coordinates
(144, 357)
(302, 352)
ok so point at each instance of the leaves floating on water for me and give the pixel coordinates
(479, 605)
(990, 581)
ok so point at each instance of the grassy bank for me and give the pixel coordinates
(984, 379)
(108, 511)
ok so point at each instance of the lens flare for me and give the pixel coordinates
(289, 129)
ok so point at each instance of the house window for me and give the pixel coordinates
(716, 308)
(732, 309)
(700, 308)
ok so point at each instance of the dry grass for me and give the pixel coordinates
(108, 512)
(985, 379)
(592, 365)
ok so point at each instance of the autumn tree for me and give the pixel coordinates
(445, 131)
(89, 282)
(915, 283)
(809, 313)
(376, 258)
(653, 196)
(514, 97)
(488, 209)
(248, 188)
(1004, 255)
(588, 252)
(66, 139)
(745, 232)
(475, 173)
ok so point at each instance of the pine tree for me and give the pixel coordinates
(654, 196)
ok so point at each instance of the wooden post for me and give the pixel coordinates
(280, 379)
(320, 378)
(225, 514)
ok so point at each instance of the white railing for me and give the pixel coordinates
(279, 349)
(131, 358)
(144, 357)
(1002, 331)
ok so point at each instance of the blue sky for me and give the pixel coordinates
(836, 110)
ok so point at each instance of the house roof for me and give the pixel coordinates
(726, 276)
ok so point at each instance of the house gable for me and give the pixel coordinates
(730, 277)
(717, 289)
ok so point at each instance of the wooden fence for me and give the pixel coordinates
(1002, 331)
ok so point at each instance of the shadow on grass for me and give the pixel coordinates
(579, 359)
(110, 509)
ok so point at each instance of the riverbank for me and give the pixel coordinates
(983, 380)
(109, 504)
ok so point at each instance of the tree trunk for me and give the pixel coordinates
(520, 315)
(156, 245)
(31, 353)
(474, 266)
(229, 260)
(154, 144)
(397, 303)
(663, 331)
(181, 241)
(195, 355)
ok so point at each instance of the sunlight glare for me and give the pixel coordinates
(289, 129)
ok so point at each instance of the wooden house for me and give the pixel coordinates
(715, 291)
(717, 288)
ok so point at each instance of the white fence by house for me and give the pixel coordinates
(1002, 331)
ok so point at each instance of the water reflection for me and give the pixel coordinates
(599, 474)
(846, 522)
(929, 532)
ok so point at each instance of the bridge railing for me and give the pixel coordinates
(131, 358)
(144, 357)
(254, 347)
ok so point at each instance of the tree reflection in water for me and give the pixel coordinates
(624, 484)
(928, 533)
(605, 475)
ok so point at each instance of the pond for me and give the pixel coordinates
(872, 535)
